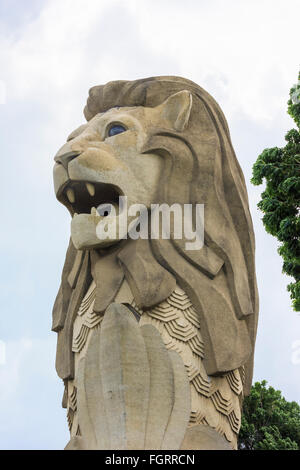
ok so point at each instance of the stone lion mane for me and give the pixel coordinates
(200, 166)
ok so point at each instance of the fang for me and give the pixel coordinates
(91, 189)
(71, 196)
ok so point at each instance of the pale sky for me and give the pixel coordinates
(246, 54)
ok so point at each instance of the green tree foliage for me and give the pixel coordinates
(269, 422)
(280, 202)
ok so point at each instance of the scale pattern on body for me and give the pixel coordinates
(215, 401)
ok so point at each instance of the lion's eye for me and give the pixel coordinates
(115, 129)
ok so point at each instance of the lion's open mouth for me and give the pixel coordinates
(82, 197)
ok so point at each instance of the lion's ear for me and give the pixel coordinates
(177, 109)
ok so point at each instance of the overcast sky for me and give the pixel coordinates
(246, 54)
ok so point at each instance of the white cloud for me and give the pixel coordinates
(244, 52)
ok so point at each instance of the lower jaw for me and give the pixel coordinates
(84, 232)
(90, 231)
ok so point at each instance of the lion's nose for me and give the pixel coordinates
(65, 155)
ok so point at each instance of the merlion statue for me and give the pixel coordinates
(155, 341)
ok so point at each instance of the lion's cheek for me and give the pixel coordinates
(99, 160)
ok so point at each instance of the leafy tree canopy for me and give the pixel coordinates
(280, 202)
(269, 422)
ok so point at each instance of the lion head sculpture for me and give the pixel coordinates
(159, 140)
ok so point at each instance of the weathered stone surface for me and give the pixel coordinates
(181, 407)
(197, 309)
(92, 415)
(161, 386)
(131, 393)
(202, 437)
(125, 378)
